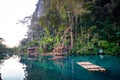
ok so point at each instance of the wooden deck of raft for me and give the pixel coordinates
(91, 67)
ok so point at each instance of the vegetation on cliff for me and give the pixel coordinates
(94, 24)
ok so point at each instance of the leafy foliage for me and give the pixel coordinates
(95, 23)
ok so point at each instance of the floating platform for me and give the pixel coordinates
(91, 67)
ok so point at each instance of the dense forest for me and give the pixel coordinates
(83, 26)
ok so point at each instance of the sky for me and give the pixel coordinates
(10, 12)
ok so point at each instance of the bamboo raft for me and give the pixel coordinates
(91, 67)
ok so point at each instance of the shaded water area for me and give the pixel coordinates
(63, 69)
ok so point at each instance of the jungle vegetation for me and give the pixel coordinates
(94, 24)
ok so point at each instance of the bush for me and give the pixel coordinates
(46, 44)
(103, 44)
(112, 49)
(73, 51)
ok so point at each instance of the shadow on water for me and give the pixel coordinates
(63, 69)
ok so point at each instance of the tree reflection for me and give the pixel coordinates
(45, 70)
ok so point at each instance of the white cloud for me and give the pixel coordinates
(10, 12)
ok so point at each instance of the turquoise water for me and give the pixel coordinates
(65, 69)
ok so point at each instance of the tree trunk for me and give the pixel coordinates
(71, 32)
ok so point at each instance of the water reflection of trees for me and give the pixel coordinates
(31, 70)
(44, 69)
(67, 69)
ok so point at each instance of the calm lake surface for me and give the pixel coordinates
(15, 68)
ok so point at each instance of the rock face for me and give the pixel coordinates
(35, 30)
(39, 11)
